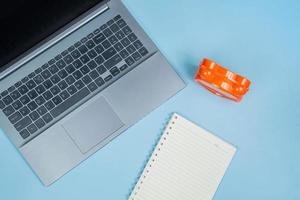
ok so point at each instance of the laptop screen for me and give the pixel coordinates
(24, 23)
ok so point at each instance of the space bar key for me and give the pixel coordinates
(69, 102)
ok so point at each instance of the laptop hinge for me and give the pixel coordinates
(54, 39)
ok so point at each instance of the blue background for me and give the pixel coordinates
(259, 39)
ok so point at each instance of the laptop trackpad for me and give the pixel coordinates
(93, 124)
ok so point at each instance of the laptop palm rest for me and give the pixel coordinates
(92, 125)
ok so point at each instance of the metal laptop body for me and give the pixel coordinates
(95, 120)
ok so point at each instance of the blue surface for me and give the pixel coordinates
(259, 39)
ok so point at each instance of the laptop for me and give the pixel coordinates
(73, 76)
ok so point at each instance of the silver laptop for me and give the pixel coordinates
(74, 75)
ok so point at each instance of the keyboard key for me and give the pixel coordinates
(117, 17)
(64, 95)
(130, 49)
(38, 79)
(64, 53)
(40, 100)
(12, 88)
(99, 60)
(32, 94)
(4, 93)
(40, 89)
(34, 115)
(129, 61)
(24, 99)
(51, 62)
(84, 59)
(92, 65)
(84, 70)
(55, 90)
(70, 102)
(30, 84)
(110, 22)
(40, 123)
(23, 89)
(94, 74)
(114, 71)
(42, 110)
(96, 31)
(138, 44)
(15, 94)
(70, 79)
(83, 49)
(120, 35)
(62, 85)
(76, 54)
(99, 81)
(53, 69)
(126, 30)
(72, 89)
(112, 62)
(118, 46)
(107, 32)
(109, 53)
(24, 134)
(125, 42)
(14, 118)
(23, 123)
(123, 67)
(108, 78)
(143, 51)
(8, 110)
(58, 57)
(47, 118)
(124, 53)
(71, 48)
(99, 38)
(46, 74)
(2, 105)
(114, 28)
(25, 79)
(77, 64)
(68, 59)
(49, 105)
(17, 105)
(7, 100)
(45, 66)
(55, 79)
(132, 37)
(70, 69)
(62, 74)
(57, 100)
(32, 128)
(83, 40)
(113, 40)
(38, 70)
(106, 44)
(101, 69)
(31, 75)
(48, 84)
(32, 105)
(103, 27)
(77, 44)
(18, 84)
(90, 35)
(121, 23)
(92, 54)
(60, 64)
(77, 74)
(86, 79)
(24, 111)
(136, 56)
(47, 95)
(79, 84)
(90, 44)
(92, 87)
(99, 49)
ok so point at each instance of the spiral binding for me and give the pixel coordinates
(155, 151)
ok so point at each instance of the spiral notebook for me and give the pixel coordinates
(188, 163)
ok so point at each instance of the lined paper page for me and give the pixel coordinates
(188, 163)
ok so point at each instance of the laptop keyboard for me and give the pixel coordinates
(84, 68)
